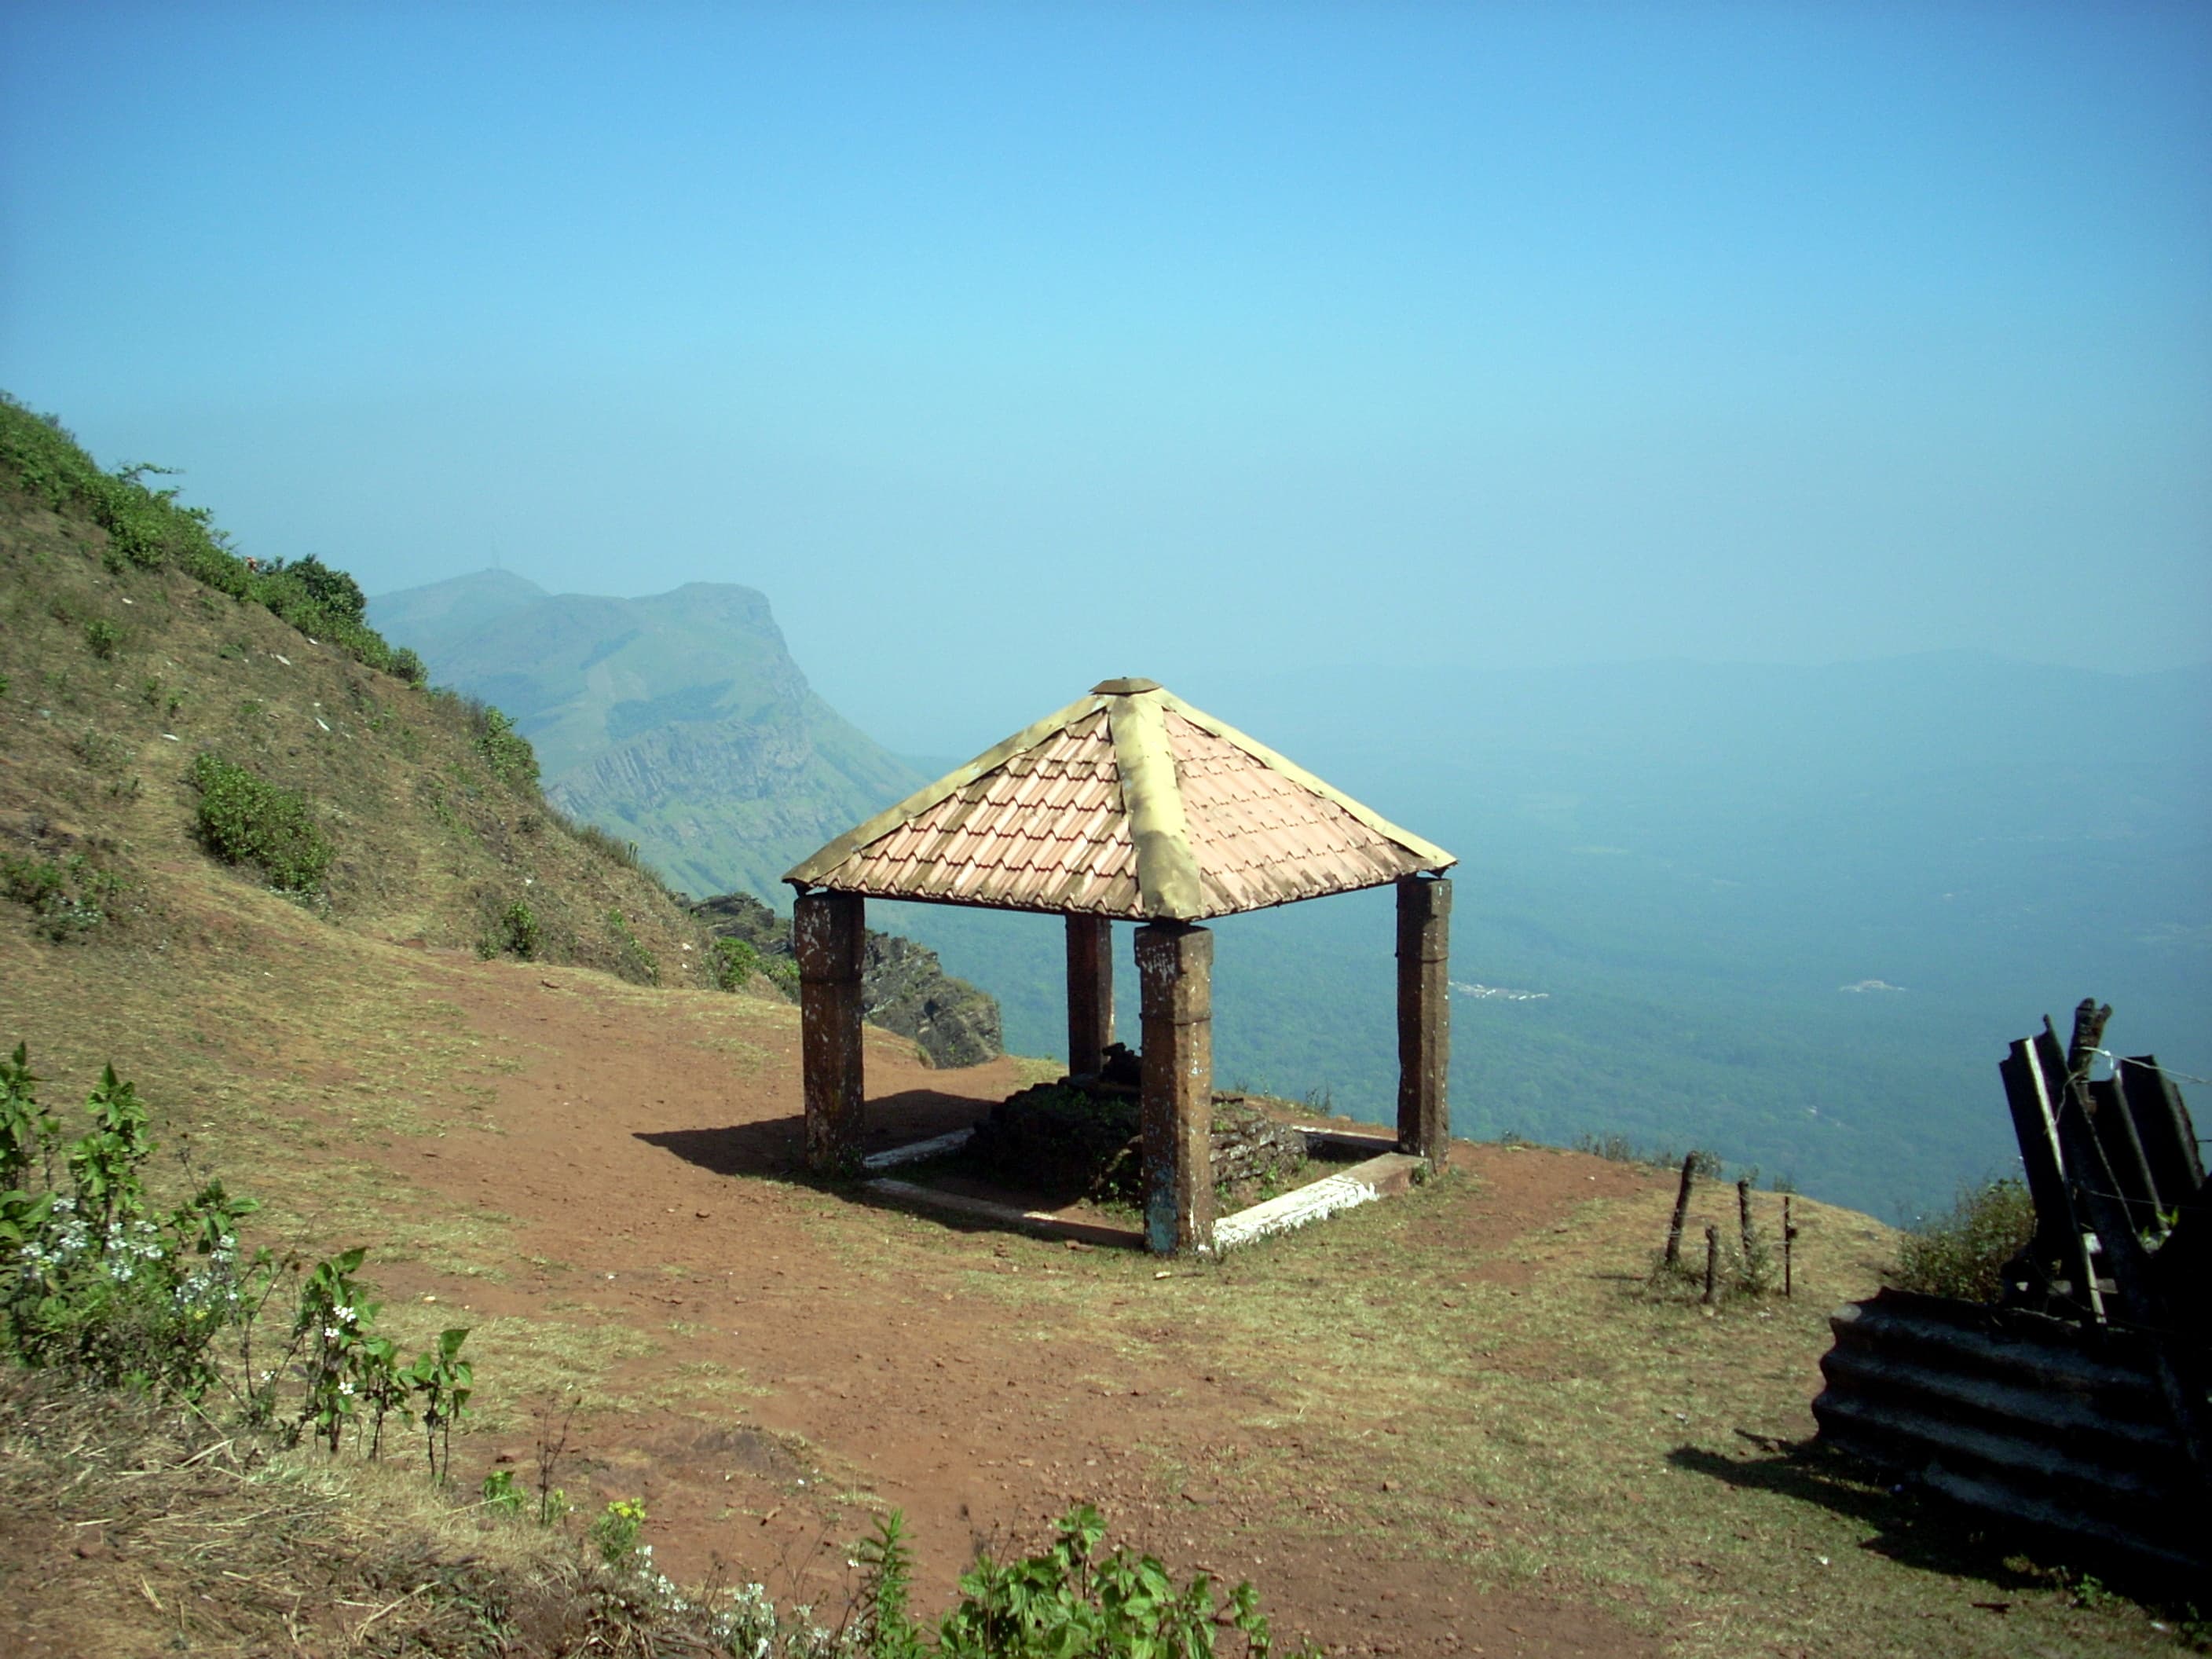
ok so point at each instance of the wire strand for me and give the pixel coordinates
(2120, 1061)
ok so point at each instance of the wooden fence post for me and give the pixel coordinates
(1681, 1209)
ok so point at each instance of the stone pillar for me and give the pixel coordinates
(828, 930)
(1089, 992)
(1175, 969)
(1423, 1016)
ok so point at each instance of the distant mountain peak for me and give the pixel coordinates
(678, 720)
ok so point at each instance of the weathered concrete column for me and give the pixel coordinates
(1175, 972)
(828, 930)
(1089, 992)
(1423, 1016)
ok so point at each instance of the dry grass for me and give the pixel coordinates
(134, 1528)
(1539, 1415)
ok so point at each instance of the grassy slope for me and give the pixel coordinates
(431, 843)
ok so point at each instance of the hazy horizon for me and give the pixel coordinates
(988, 340)
(929, 732)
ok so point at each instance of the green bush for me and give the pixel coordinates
(408, 667)
(246, 819)
(517, 934)
(1963, 1253)
(505, 750)
(101, 636)
(334, 593)
(732, 962)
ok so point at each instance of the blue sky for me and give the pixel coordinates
(1031, 344)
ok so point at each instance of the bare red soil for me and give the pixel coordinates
(660, 1189)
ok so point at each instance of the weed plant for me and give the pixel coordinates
(515, 934)
(69, 895)
(1963, 1252)
(95, 1282)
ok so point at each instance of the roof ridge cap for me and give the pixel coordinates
(1168, 883)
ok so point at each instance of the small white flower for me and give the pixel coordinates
(346, 1387)
(331, 1333)
(345, 1316)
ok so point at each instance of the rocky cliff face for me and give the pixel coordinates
(904, 988)
(678, 721)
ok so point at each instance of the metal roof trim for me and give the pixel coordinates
(810, 871)
(1434, 857)
(1168, 884)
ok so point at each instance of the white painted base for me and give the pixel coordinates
(914, 1151)
(1314, 1201)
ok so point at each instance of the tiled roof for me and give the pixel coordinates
(1127, 802)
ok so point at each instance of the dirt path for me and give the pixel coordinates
(646, 1183)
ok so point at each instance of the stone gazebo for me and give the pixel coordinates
(1129, 804)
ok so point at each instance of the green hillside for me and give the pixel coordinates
(173, 714)
(678, 721)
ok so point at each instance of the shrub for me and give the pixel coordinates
(505, 750)
(147, 527)
(334, 593)
(732, 962)
(102, 1286)
(408, 667)
(69, 895)
(244, 818)
(101, 636)
(1963, 1253)
(518, 934)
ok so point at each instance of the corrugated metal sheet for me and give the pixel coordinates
(1127, 802)
(2028, 1420)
